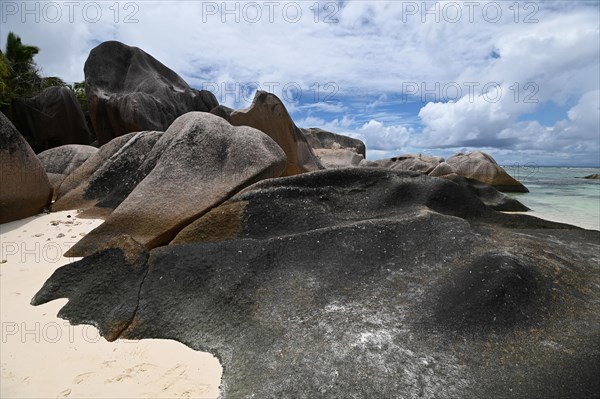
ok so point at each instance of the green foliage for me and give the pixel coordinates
(79, 89)
(19, 74)
(4, 73)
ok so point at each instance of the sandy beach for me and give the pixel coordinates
(44, 356)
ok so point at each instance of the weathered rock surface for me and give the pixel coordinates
(51, 119)
(59, 162)
(593, 176)
(407, 162)
(443, 169)
(222, 111)
(268, 114)
(24, 186)
(128, 90)
(323, 140)
(335, 150)
(71, 191)
(116, 178)
(199, 162)
(481, 166)
(338, 158)
(362, 283)
(488, 194)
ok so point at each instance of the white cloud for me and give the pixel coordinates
(374, 50)
(378, 136)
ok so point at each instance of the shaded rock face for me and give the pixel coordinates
(199, 162)
(488, 194)
(114, 179)
(338, 158)
(128, 90)
(59, 162)
(407, 162)
(480, 166)
(417, 290)
(222, 111)
(51, 119)
(268, 114)
(78, 180)
(335, 150)
(443, 169)
(331, 199)
(322, 139)
(24, 186)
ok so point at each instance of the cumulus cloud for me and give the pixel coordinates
(370, 52)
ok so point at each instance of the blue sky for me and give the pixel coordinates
(517, 79)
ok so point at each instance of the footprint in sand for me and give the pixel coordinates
(173, 375)
(82, 377)
(64, 394)
(108, 363)
(131, 372)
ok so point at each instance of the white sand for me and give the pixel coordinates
(44, 356)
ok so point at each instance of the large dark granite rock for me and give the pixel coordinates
(268, 114)
(199, 162)
(481, 166)
(72, 189)
(488, 194)
(407, 162)
(59, 162)
(112, 181)
(324, 140)
(361, 283)
(128, 90)
(335, 150)
(24, 186)
(222, 111)
(51, 119)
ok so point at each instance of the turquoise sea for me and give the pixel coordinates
(560, 194)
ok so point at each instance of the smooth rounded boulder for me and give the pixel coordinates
(324, 140)
(488, 194)
(481, 166)
(268, 114)
(113, 180)
(367, 283)
(24, 186)
(335, 150)
(128, 90)
(203, 161)
(407, 162)
(82, 174)
(59, 162)
(51, 119)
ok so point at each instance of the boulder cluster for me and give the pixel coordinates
(307, 269)
(134, 102)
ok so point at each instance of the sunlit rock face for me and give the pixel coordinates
(359, 283)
